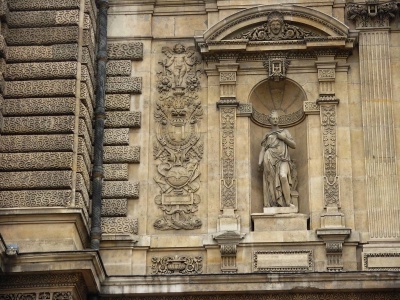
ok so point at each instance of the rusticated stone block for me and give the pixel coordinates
(36, 161)
(31, 143)
(43, 70)
(85, 131)
(38, 106)
(131, 51)
(35, 180)
(84, 115)
(81, 187)
(123, 85)
(117, 119)
(65, 52)
(40, 88)
(119, 68)
(121, 154)
(43, 4)
(119, 225)
(84, 170)
(118, 102)
(116, 137)
(3, 46)
(20, 125)
(116, 171)
(44, 18)
(82, 150)
(32, 198)
(86, 95)
(120, 189)
(3, 10)
(114, 208)
(42, 36)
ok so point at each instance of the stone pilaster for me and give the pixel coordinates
(332, 230)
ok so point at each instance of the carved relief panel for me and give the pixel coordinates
(178, 149)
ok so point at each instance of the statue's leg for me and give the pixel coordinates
(283, 175)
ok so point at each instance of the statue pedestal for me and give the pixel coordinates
(279, 221)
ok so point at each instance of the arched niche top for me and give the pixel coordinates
(313, 29)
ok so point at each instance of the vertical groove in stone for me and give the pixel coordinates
(379, 138)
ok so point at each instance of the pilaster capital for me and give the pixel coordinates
(372, 14)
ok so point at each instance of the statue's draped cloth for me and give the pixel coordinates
(276, 156)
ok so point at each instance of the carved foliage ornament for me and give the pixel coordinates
(178, 148)
(275, 29)
(372, 14)
(177, 264)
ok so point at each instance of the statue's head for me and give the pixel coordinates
(275, 22)
(179, 48)
(273, 117)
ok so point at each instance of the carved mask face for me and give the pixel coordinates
(179, 49)
(275, 27)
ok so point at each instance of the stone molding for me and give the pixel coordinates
(177, 265)
(278, 263)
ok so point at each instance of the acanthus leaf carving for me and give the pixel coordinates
(178, 148)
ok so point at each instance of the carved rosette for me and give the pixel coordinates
(178, 149)
(168, 265)
(228, 181)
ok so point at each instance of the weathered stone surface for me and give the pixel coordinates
(116, 172)
(36, 161)
(40, 88)
(120, 189)
(131, 51)
(42, 36)
(43, 70)
(122, 85)
(20, 125)
(66, 52)
(121, 154)
(82, 187)
(119, 68)
(116, 119)
(119, 225)
(32, 198)
(118, 102)
(3, 46)
(42, 4)
(44, 18)
(35, 180)
(85, 131)
(114, 208)
(84, 170)
(116, 137)
(38, 106)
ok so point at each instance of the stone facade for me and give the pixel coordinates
(190, 87)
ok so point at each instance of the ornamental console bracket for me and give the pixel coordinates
(228, 242)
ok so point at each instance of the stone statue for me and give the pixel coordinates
(277, 167)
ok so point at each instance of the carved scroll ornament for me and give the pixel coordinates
(275, 29)
(178, 148)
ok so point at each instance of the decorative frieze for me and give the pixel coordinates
(169, 265)
(35, 180)
(40, 88)
(119, 225)
(43, 4)
(62, 52)
(178, 149)
(36, 161)
(311, 107)
(130, 51)
(118, 119)
(44, 18)
(33, 198)
(33, 143)
(381, 261)
(372, 14)
(38, 106)
(119, 68)
(21, 125)
(123, 85)
(121, 154)
(115, 171)
(118, 102)
(116, 137)
(120, 189)
(42, 36)
(114, 208)
(43, 70)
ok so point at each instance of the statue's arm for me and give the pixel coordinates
(261, 157)
(287, 138)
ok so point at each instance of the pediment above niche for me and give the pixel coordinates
(274, 28)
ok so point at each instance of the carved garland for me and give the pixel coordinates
(331, 184)
(178, 148)
(168, 265)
